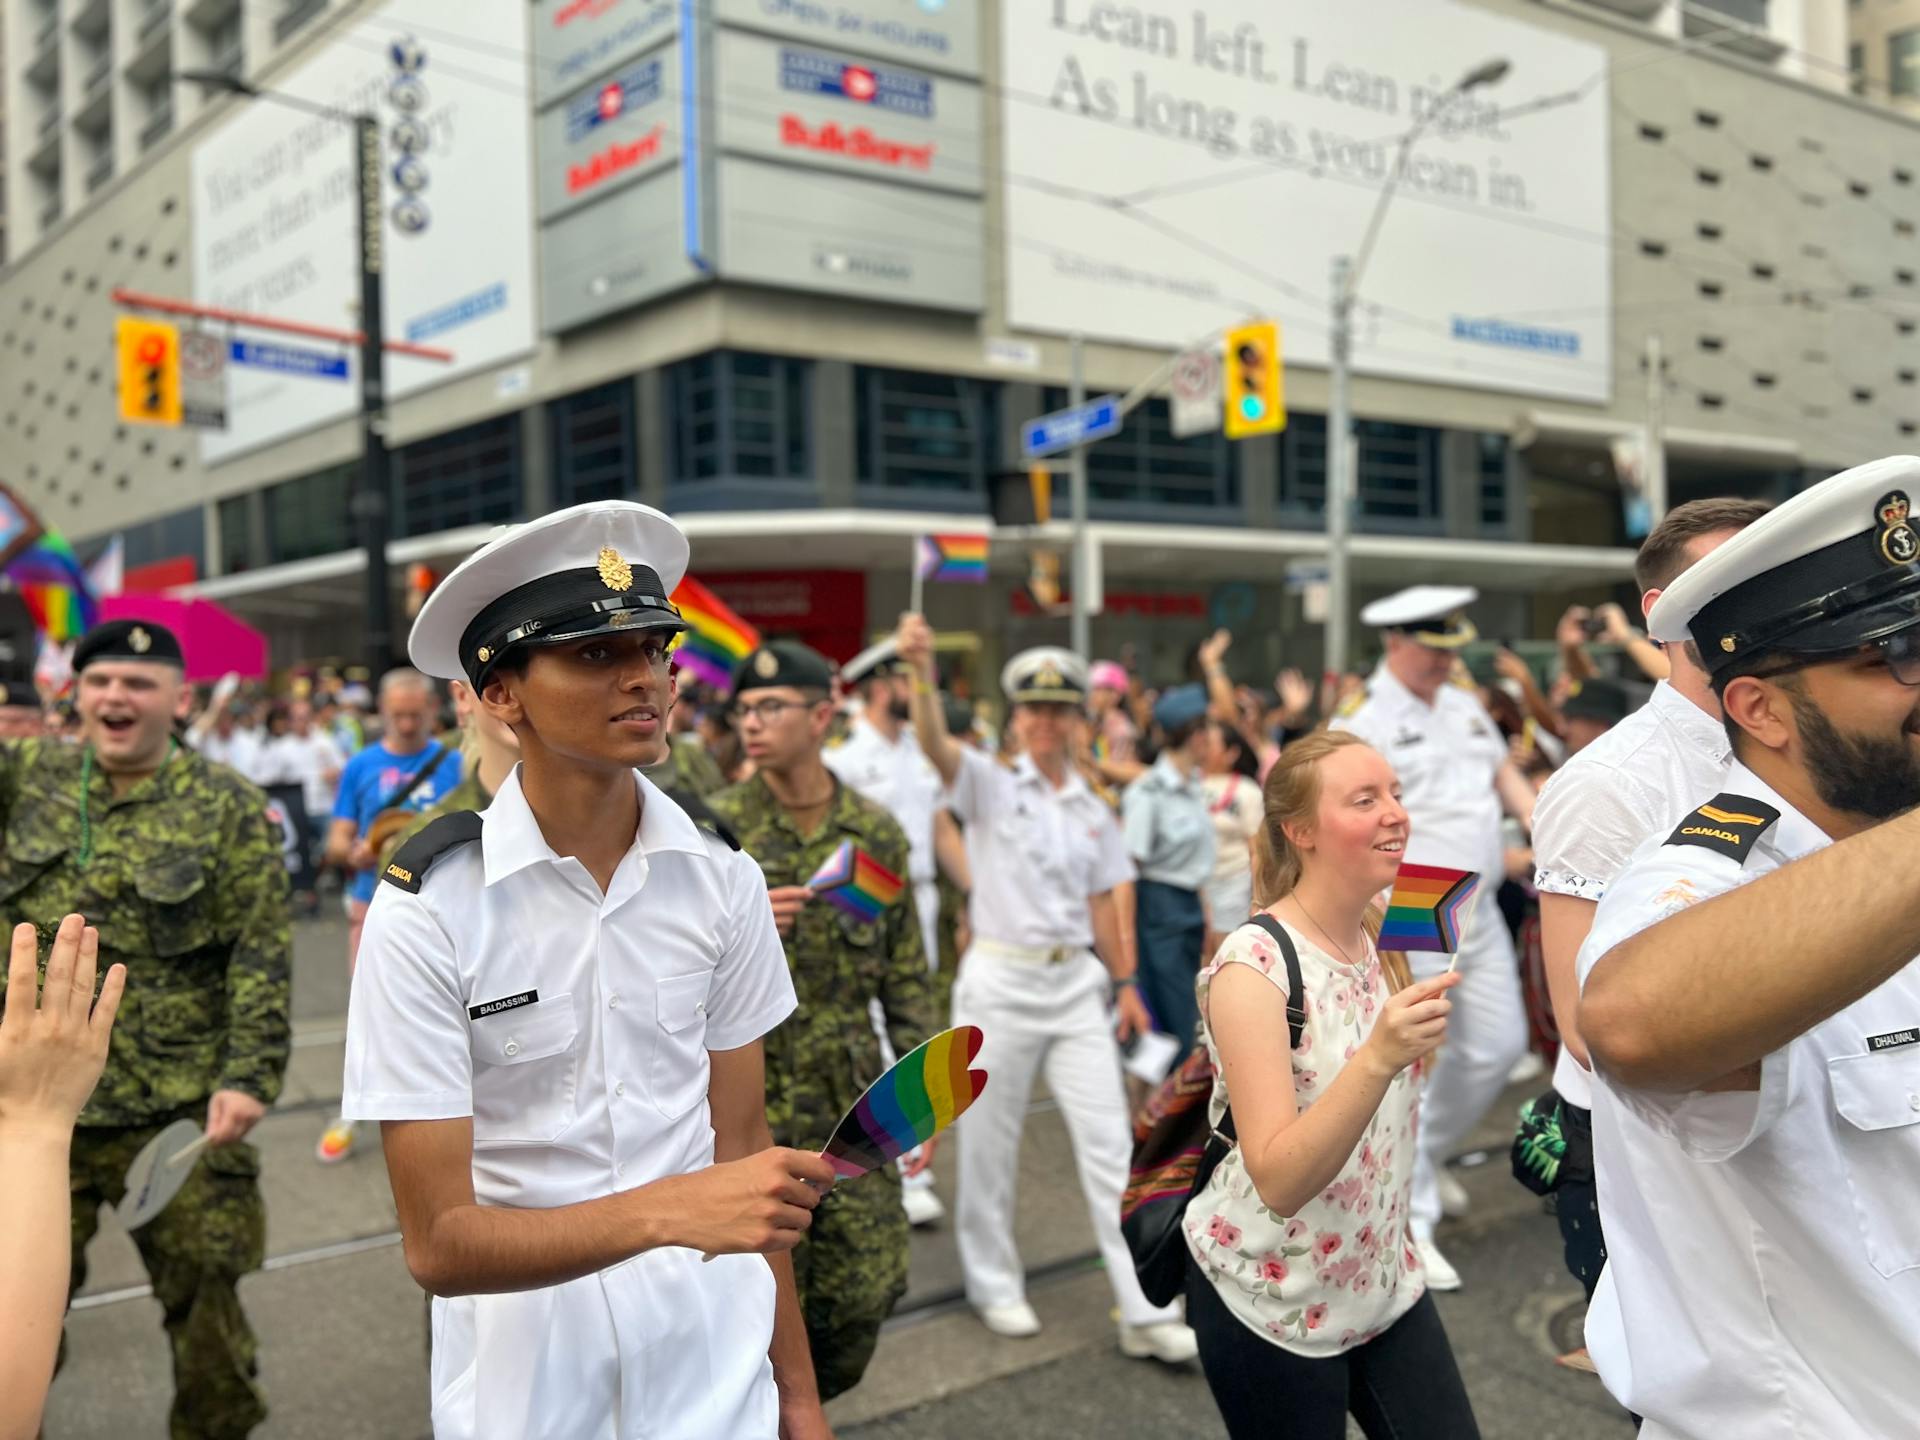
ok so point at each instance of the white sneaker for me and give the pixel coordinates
(923, 1206)
(1454, 1200)
(1440, 1274)
(1015, 1322)
(1528, 1068)
(1167, 1341)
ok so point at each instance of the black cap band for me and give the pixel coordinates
(569, 605)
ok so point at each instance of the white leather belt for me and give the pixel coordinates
(1031, 954)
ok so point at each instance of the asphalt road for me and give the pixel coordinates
(342, 1326)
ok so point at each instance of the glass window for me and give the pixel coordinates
(236, 543)
(1303, 464)
(469, 476)
(1903, 62)
(1145, 464)
(1493, 450)
(168, 537)
(738, 414)
(594, 456)
(1399, 470)
(310, 516)
(917, 431)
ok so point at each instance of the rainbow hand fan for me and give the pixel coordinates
(1428, 908)
(926, 1091)
(856, 883)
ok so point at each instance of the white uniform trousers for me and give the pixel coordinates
(1486, 1034)
(1036, 1015)
(926, 899)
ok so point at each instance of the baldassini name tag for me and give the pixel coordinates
(505, 1002)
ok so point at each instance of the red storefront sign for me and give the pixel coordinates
(826, 609)
(1137, 604)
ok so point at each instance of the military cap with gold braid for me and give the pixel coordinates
(1432, 615)
(1045, 675)
(596, 569)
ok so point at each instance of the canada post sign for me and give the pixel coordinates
(615, 131)
(897, 91)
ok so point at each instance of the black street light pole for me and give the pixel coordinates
(370, 501)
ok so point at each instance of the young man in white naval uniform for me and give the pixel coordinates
(557, 1018)
(1453, 766)
(1631, 784)
(1046, 854)
(881, 759)
(1752, 1004)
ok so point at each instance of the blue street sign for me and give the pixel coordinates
(289, 359)
(1063, 429)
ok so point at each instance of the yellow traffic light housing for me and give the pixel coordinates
(1253, 393)
(149, 352)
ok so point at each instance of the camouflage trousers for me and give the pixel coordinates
(195, 1251)
(850, 1272)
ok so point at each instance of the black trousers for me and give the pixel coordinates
(1577, 1200)
(1402, 1385)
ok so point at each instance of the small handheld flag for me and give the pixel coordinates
(719, 639)
(1428, 908)
(856, 883)
(158, 1172)
(957, 558)
(919, 1097)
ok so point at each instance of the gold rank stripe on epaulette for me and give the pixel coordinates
(411, 861)
(1350, 706)
(1727, 823)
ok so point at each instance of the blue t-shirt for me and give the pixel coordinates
(376, 773)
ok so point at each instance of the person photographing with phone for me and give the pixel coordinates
(1308, 1292)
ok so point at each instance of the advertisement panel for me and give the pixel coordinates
(1268, 132)
(939, 34)
(274, 208)
(613, 132)
(575, 41)
(615, 253)
(810, 230)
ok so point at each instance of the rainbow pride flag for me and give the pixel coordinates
(1428, 908)
(961, 558)
(856, 883)
(926, 1091)
(719, 639)
(51, 580)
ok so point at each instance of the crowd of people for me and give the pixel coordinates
(601, 1116)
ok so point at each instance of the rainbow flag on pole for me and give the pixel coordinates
(1428, 908)
(961, 558)
(719, 639)
(856, 883)
(50, 579)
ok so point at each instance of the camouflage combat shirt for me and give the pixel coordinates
(188, 888)
(825, 1054)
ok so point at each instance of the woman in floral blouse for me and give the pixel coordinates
(1307, 1294)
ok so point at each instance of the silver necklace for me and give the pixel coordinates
(1325, 934)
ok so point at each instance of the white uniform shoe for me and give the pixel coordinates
(922, 1204)
(1015, 1322)
(1528, 1068)
(1440, 1274)
(1454, 1200)
(1167, 1341)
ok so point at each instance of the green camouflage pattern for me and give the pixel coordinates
(195, 1251)
(187, 886)
(852, 1267)
(469, 794)
(688, 768)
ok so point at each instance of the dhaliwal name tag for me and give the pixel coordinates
(1892, 1040)
(505, 1002)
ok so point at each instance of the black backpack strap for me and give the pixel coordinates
(698, 812)
(1296, 987)
(410, 862)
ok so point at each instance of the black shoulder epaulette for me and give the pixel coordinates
(698, 812)
(1727, 823)
(412, 860)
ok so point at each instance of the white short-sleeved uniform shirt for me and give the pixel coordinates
(897, 776)
(574, 1028)
(1763, 1247)
(1036, 853)
(1446, 755)
(1634, 783)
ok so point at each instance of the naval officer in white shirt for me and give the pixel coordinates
(1752, 1005)
(557, 1019)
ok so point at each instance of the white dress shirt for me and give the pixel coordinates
(897, 777)
(1036, 853)
(1446, 755)
(1763, 1246)
(574, 1028)
(1633, 783)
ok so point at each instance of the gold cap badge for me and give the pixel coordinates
(140, 640)
(766, 664)
(615, 573)
(1049, 678)
(1728, 643)
(484, 654)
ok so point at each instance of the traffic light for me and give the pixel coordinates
(1252, 392)
(149, 371)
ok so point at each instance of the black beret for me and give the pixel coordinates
(781, 663)
(128, 640)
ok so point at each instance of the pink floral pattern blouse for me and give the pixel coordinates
(1345, 1268)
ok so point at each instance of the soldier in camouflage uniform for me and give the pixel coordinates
(173, 859)
(791, 817)
(688, 770)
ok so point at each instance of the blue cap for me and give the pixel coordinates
(1179, 707)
